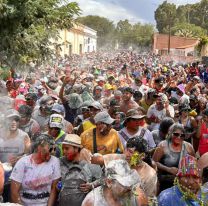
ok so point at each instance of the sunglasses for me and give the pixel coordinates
(85, 110)
(176, 134)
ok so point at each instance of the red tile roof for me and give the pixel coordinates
(176, 42)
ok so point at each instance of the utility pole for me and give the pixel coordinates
(169, 36)
(169, 30)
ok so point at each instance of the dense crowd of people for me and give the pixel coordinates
(108, 129)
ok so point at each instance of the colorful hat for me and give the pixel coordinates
(188, 167)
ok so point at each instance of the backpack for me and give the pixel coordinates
(70, 193)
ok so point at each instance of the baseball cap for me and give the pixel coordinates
(96, 105)
(58, 108)
(12, 113)
(56, 120)
(103, 117)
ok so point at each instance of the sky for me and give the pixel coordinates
(133, 10)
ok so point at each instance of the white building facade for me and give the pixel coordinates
(77, 40)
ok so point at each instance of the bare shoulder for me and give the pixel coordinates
(88, 201)
(162, 144)
(189, 148)
(188, 145)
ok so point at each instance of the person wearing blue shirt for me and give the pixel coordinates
(187, 185)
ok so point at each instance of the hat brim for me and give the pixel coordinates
(107, 121)
(136, 117)
(13, 115)
(72, 144)
(57, 110)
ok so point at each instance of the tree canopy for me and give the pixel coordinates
(104, 27)
(28, 26)
(184, 20)
(124, 33)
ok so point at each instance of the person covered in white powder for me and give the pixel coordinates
(35, 177)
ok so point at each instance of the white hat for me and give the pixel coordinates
(119, 170)
(72, 139)
(11, 113)
(100, 78)
(96, 105)
(56, 120)
(103, 117)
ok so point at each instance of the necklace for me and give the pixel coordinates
(187, 194)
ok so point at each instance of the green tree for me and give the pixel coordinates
(27, 28)
(104, 27)
(188, 30)
(142, 34)
(165, 16)
(136, 35)
(124, 33)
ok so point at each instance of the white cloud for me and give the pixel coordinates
(110, 10)
(180, 2)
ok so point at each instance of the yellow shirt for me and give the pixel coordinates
(87, 125)
(105, 144)
(144, 105)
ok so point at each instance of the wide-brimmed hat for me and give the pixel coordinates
(188, 167)
(134, 114)
(103, 117)
(72, 139)
(119, 170)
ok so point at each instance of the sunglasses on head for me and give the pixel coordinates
(176, 134)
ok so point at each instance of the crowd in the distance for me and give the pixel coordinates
(108, 129)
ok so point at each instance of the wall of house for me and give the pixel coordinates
(77, 40)
(90, 40)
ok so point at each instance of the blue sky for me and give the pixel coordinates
(133, 10)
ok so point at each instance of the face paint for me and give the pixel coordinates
(132, 124)
(71, 156)
(43, 155)
(141, 122)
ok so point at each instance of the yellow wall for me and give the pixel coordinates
(74, 37)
